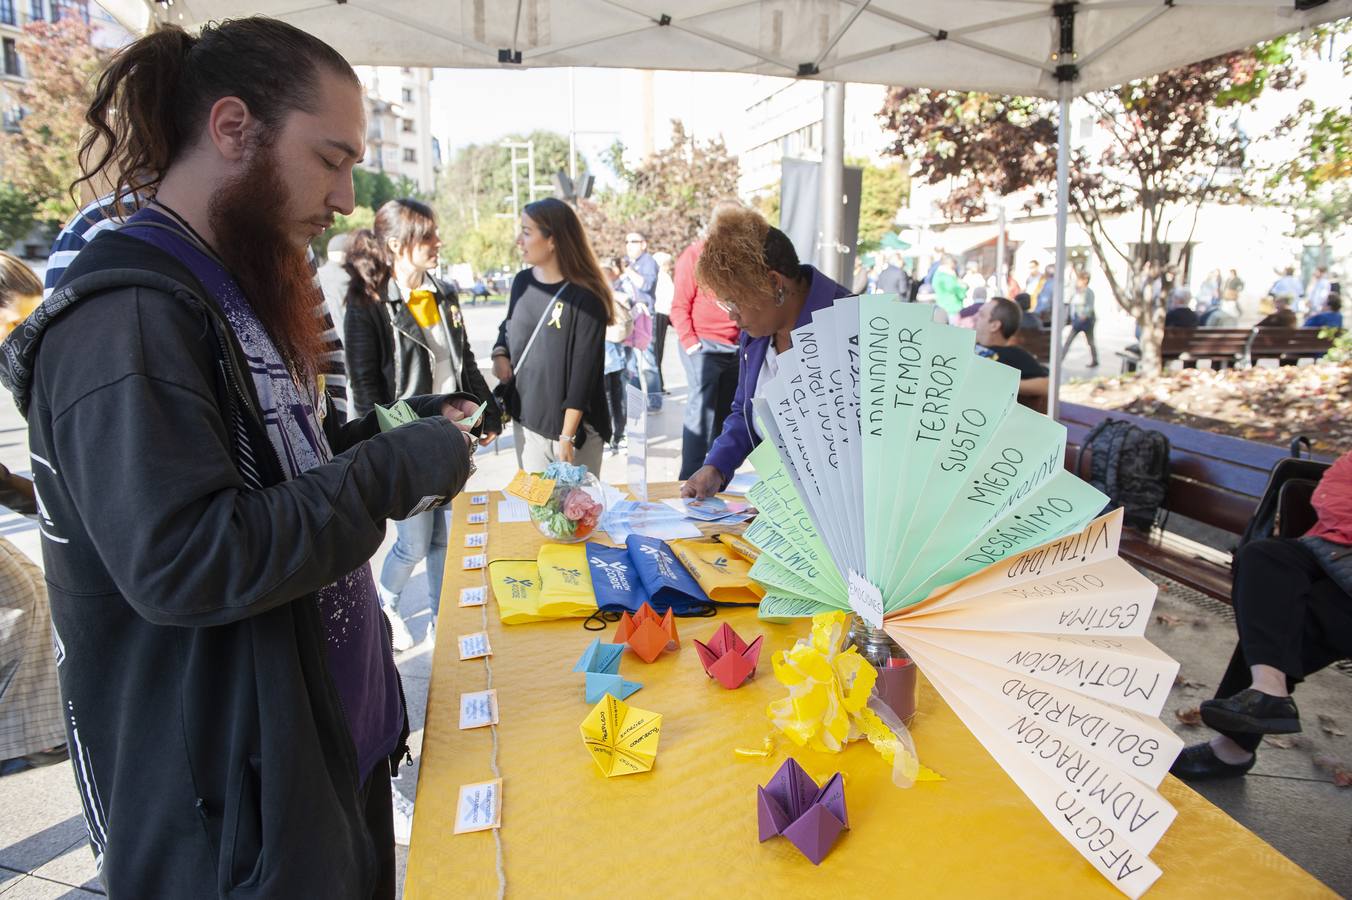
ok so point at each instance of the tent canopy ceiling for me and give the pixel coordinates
(1003, 46)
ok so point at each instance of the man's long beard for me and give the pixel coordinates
(250, 233)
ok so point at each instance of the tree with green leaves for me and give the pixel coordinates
(883, 191)
(41, 158)
(473, 199)
(1163, 151)
(17, 214)
(1316, 181)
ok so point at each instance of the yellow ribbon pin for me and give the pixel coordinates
(558, 315)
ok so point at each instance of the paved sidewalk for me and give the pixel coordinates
(1286, 800)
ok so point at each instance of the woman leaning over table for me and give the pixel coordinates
(753, 267)
(551, 347)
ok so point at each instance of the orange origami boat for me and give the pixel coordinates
(646, 633)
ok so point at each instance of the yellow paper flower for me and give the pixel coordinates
(827, 706)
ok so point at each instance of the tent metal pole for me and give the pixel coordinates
(1062, 212)
(1000, 279)
(832, 179)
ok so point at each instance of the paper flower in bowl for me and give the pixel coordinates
(575, 506)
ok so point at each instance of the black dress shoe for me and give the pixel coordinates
(1200, 763)
(1252, 712)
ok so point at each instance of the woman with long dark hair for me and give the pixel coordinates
(551, 347)
(404, 336)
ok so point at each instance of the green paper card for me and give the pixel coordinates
(391, 417)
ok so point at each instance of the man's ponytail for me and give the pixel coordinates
(134, 126)
(154, 97)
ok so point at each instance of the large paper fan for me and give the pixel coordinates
(901, 480)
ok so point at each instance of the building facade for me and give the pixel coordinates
(784, 119)
(105, 33)
(399, 138)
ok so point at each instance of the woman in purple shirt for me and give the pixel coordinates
(768, 293)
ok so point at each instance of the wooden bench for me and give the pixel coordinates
(1038, 343)
(1287, 345)
(1214, 479)
(1223, 347)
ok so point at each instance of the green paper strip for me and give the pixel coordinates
(782, 608)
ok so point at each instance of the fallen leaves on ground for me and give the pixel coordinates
(1190, 716)
(1330, 726)
(1167, 620)
(1267, 404)
(1289, 741)
(1187, 683)
(1342, 774)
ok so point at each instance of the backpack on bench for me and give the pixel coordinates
(1284, 511)
(1131, 465)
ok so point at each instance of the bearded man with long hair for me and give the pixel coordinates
(230, 695)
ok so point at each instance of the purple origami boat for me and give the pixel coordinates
(793, 806)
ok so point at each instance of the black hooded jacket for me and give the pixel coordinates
(207, 736)
(388, 357)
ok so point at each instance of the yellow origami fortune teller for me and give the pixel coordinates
(621, 738)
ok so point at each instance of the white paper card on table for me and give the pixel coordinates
(473, 646)
(477, 561)
(866, 599)
(513, 509)
(478, 709)
(477, 518)
(741, 483)
(636, 430)
(476, 539)
(474, 596)
(479, 807)
(478, 500)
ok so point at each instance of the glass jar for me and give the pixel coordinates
(897, 686)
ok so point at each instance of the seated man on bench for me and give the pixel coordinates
(997, 323)
(1293, 609)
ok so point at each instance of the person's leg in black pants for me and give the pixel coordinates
(379, 815)
(1293, 620)
(660, 323)
(712, 378)
(615, 400)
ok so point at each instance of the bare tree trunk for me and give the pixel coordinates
(1152, 335)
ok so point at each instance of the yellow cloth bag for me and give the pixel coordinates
(567, 591)
(516, 587)
(723, 575)
(423, 305)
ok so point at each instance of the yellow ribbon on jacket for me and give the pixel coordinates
(423, 305)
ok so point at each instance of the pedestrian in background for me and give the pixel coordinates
(708, 337)
(663, 295)
(641, 271)
(550, 354)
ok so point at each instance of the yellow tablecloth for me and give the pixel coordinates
(688, 827)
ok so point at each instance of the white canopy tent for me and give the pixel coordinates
(1029, 47)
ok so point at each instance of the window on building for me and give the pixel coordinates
(410, 155)
(408, 95)
(63, 8)
(408, 126)
(11, 57)
(11, 119)
(7, 14)
(35, 13)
